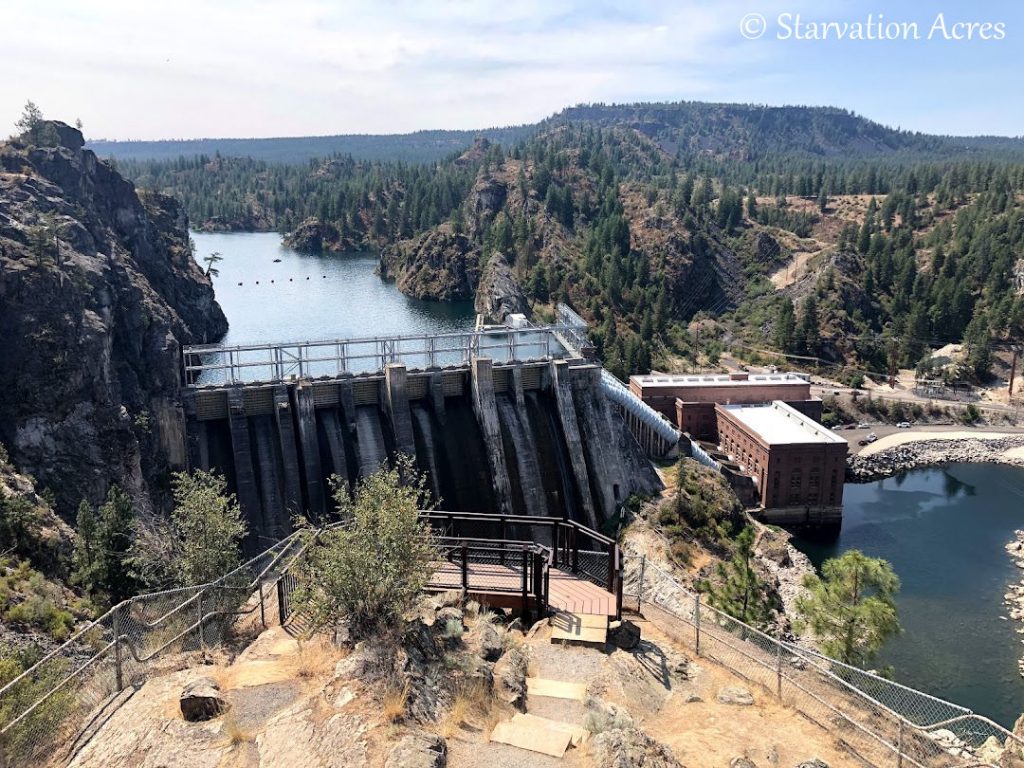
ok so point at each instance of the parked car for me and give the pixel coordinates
(863, 425)
(862, 441)
(903, 425)
(871, 437)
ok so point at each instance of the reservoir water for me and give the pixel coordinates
(944, 530)
(331, 296)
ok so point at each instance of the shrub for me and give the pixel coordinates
(970, 414)
(371, 569)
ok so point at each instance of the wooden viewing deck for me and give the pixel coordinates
(501, 586)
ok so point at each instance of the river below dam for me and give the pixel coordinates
(271, 293)
(944, 530)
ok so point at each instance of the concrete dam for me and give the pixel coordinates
(527, 430)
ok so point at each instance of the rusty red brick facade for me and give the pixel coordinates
(797, 474)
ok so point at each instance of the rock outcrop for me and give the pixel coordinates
(441, 264)
(630, 747)
(98, 292)
(499, 295)
(314, 236)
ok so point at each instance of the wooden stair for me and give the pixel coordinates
(579, 628)
(555, 689)
(539, 734)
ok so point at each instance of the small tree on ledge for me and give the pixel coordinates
(371, 569)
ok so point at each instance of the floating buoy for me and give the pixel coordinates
(307, 277)
(325, 277)
(239, 283)
(257, 282)
(289, 279)
(271, 281)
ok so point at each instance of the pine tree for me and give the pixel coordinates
(102, 551)
(785, 325)
(851, 608)
(738, 590)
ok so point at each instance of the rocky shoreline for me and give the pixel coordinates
(1014, 597)
(927, 453)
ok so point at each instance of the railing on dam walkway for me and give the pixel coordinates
(214, 364)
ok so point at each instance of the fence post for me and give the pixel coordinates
(778, 669)
(899, 745)
(526, 596)
(696, 622)
(465, 570)
(282, 610)
(199, 603)
(263, 610)
(640, 588)
(118, 664)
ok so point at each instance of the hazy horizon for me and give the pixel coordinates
(261, 69)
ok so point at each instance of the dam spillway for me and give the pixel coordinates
(536, 438)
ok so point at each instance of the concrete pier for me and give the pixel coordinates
(482, 374)
(396, 405)
(289, 452)
(562, 388)
(436, 388)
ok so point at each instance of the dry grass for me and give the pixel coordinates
(316, 658)
(393, 704)
(472, 702)
(234, 731)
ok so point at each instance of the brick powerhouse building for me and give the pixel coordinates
(689, 401)
(797, 465)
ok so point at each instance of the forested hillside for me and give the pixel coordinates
(417, 147)
(811, 231)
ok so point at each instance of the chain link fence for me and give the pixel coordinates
(54, 703)
(879, 720)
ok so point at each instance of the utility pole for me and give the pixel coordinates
(1013, 371)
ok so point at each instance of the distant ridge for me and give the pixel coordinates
(417, 147)
(739, 131)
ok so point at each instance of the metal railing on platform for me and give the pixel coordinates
(882, 721)
(574, 548)
(214, 364)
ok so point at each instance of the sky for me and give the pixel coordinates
(138, 69)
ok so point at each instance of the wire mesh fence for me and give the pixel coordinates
(45, 707)
(882, 721)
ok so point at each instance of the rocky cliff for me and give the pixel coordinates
(98, 291)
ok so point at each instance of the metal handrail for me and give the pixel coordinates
(287, 356)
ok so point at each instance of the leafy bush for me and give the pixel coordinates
(371, 570)
(971, 414)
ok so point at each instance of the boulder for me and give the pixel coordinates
(735, 694)
(742, 762)
(418, 750)
(202, 700)
(491, 644)
(605, 716)
(510, 678)
(625, 635)
(498, 294)
(628, 748)
(816, 762)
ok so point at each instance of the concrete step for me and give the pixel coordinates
(556, 689)
(579, 628)
(539, 734)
